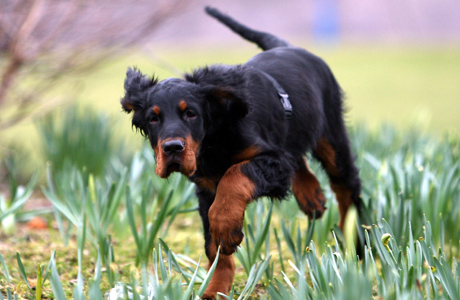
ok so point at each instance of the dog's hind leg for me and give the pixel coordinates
(307, 191)
(336, 158)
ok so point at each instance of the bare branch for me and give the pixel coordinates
(22, 38)
(43, 40)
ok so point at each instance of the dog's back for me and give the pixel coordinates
(264, 40)
(317, 122)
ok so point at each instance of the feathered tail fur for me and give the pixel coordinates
(264, 40)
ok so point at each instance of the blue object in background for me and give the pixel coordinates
(326, 20)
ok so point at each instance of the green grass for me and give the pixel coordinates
(77, 138)
(411, 184)
(401, 85)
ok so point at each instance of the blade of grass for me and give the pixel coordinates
(5, 270)
(38, 288)
(444, 275)
(131, 220)
(263, 235)
(208, 277)
(189, 291)
(22, 271)
(280, 252)
(254, 276)
(56, 284)
(19, 200)
(173, 261)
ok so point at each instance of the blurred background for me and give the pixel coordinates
(66, 145)
(60, 61)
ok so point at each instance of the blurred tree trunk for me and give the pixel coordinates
(42, 40)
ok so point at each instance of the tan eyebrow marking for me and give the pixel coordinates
(156, 110)
(183, 105)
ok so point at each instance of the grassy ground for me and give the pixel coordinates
(410, 185)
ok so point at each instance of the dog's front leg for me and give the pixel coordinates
(222, 278)
(226, 214)
(263, 175)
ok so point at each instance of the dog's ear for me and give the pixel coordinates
(136, 86)
(228, 98)
(225, 86)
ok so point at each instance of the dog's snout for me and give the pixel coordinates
(173, 146)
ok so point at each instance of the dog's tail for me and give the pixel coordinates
(264, 40)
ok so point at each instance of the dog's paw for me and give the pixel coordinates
(317, 205)
(226, 232)
(313, 203)
(227, 237)
(228, 242)
(209, 295)
(212, 290)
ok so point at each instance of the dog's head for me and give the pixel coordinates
(176, 115)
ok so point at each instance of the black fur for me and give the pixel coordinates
(234, 114)
(271, 174)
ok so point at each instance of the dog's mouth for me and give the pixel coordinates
(178, 167)
(183, 161)
(174, 167)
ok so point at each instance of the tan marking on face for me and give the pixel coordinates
(156, 110)
(189, 156)
(160, 168)
(183, 105)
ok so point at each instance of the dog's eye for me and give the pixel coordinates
(154, 119)
(190, 114)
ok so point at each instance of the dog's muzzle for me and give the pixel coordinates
(173, 147)
(176, 155)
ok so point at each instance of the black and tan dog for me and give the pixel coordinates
(241, 132)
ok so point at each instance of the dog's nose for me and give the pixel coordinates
(173, 146)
